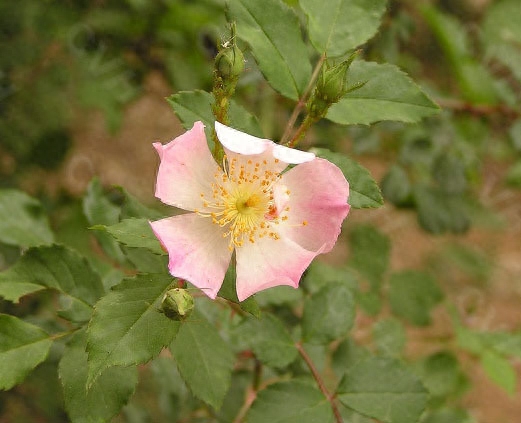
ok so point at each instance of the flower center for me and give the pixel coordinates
(243, 201)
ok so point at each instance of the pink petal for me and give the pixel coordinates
(197, 250)
(186, 171)
(318, 196)
(268, 262)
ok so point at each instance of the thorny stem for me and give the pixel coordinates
(302, 100)
(320, 382)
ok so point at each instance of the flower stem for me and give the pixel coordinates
(320, 382)
(302, 100)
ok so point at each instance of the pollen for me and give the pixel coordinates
(242, 201)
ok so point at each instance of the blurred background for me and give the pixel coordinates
(82, 94)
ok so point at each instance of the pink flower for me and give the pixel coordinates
(275, 222)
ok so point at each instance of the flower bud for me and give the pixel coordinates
(177, 304)
(229, 62)
(331, 86)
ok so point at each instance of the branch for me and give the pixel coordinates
(479, 109)
(320, 382)
(302, 100)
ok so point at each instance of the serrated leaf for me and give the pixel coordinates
(499, 369)
(204, 360)
(343, 24)
(104, 398)
(413, 294)
(272, 30)
(389, 337)
(346, 355)
(193, 106)
(22, 220)
(328, 314)
(100, 211)
(127, 327)
(54, 267)
(446, 415)
(370, 253)
(229, 292)
(290, 402)
(363, 190)
(389, 94)
(22, 347)
(442, 376)
(384, 389)
(439, 212)
(269, 340)
(134, 233)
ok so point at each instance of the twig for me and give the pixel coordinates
(302, 100)
(319, 381)
(251, 393)
(479, 109)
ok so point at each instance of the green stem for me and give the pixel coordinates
(320, 382)
(302, 100)
(301, 131)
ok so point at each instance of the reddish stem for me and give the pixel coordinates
(319, 381)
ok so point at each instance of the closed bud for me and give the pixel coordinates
(229, 62)
(332, 85)
(177, 304)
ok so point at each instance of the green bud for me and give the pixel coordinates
(229, 62)
(331, 86)
(177, 304)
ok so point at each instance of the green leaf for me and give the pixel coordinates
(439, 212)
(104, 398)
(229, 292)
(127, 327)
(54, 267)
(389, 337)
(447, 415)
(22, 220)
(193, 106)
(413, 294)
(320, 274)
(442, 376)
(389, 94)
(370, 253)
(474, 79)
(396, 186)
(384, 389)
(502, 34)
(343, 24)
(499, 369)
(204, 360)
(363, 190)
(273, 32)
(328, 314)
(134, 233)
(22, 347)
(100, 211)
(290, 402)
(269, 340)
(347, 355)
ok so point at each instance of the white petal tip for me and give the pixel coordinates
(292, 156)
(240, 142)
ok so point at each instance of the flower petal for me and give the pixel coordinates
(240, 142)
(186, 171)
(197, 250)
(318, 196)
(268, 262)
(291, 155)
